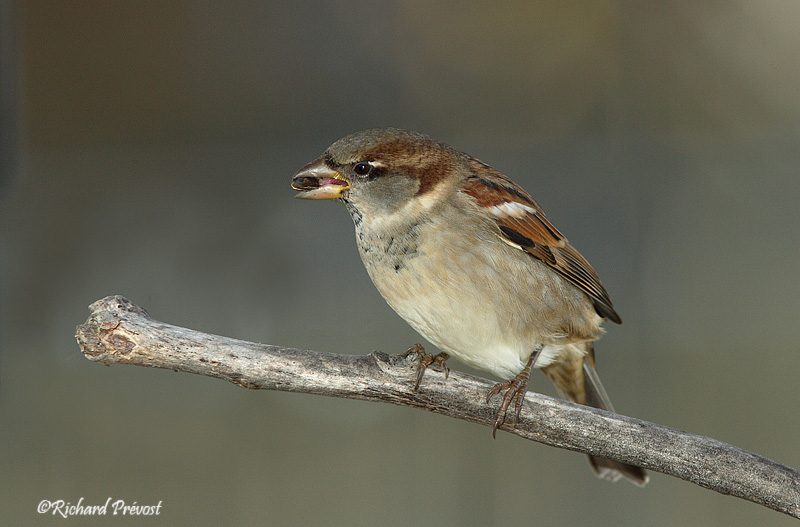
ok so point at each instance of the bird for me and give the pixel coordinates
(468, 258)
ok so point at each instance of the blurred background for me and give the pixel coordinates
(147, 150)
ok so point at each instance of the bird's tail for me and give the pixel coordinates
(576, 378)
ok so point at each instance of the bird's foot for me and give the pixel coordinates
(515, 390)
(426, 360)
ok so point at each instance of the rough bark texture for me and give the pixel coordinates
(119, 332)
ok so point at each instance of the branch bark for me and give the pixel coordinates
(119, 332)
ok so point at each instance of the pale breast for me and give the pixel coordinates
(474, 296)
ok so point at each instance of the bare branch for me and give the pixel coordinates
(119, 332)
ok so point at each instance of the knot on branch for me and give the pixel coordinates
(100, 336)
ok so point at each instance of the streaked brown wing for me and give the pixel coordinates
(523, 224)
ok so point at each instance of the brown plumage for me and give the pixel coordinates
(469, 259)
(534, 233)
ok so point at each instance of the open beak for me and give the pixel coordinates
(317, 180)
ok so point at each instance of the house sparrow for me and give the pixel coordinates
(470, 261)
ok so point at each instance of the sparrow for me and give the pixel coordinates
(470, 261)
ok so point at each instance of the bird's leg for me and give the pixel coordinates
(427, 360)
(515, 391)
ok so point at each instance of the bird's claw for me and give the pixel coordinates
(426, 360)
(515, 389)
(515, 392)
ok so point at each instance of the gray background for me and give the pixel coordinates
(147, 151)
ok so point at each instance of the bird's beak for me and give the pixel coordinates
(317, 180)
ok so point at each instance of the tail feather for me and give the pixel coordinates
(576, 378)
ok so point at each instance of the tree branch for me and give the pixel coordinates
(119, 332)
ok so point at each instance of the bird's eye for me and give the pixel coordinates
(362, 169)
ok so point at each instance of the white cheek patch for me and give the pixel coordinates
(412, 208)
(431, 197)
(514, 209)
